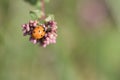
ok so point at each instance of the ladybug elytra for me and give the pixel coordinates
(38, 32)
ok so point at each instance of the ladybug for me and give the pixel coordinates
(38, 32)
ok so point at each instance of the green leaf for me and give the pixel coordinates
(32, 2)
(38, 5)
(36, 14)
(49, 18)
(35, 2)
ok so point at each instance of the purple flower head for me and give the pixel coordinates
(50, 36)
(27, 28)
(51, 33)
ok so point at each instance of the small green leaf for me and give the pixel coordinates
(49, 18)
(32, 2)
(38, 4)
(35, 14)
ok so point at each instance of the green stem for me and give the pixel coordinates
(43, 8)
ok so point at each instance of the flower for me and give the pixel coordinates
(51, 33)
(50, 36)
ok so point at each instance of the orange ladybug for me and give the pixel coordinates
(38, 32)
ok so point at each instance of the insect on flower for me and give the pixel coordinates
(38, 32)
(44, 34)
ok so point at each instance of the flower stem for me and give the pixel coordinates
(43, 9)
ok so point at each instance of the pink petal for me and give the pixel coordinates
(23, 25)
(28, 28)
(54, 41)
(44, 45)
(35, 24)
(47, 42)
(34, 41)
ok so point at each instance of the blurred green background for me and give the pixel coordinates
(87, 48)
